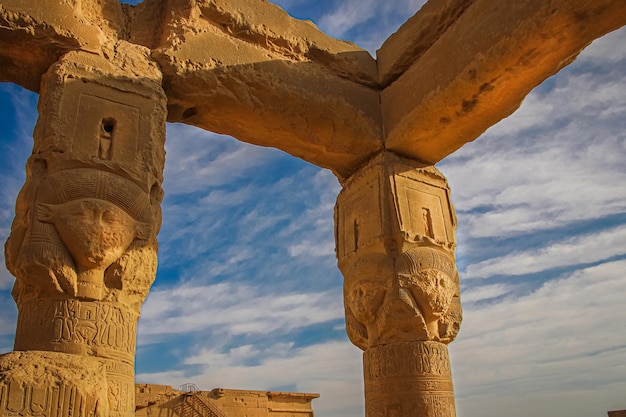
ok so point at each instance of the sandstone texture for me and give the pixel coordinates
(395, 245)
(52, 384)
(83, 244)
(247, 69)
(159, 400)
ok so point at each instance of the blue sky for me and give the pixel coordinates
(248, 294)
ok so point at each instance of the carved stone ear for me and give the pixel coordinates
(143, 230)
(45, 212)
(357, 332)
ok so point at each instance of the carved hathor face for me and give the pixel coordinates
(96, 232)
(366, 285)
(429, 275)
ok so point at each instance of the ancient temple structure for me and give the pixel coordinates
(83, 244)
(189, 401)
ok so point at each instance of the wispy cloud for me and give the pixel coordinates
(347, 15)
(332, 369)
(486, 292)
(260, 224)
(580, 250)
(233, 309)
(555, 162)
(608, 49)
(367, 22)
(553, 339)
(197, 158)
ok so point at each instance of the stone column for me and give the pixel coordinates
(395, 247)
(83, 243)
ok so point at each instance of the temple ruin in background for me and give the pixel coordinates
(83, 244)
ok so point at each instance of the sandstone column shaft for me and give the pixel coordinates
(395, 247)
(83, 243)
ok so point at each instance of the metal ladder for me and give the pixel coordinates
(197, 404)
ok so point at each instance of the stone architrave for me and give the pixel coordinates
(395, 245)
(83, 243)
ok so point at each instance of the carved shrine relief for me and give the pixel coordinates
(360, 218)
(424, 210)
(400, 284)
(106, 129)
(83, 243)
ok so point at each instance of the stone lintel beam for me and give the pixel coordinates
(247, 69)
(457, 68)
(34, 34)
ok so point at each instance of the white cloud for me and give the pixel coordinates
(347, 15)
(557, 161)
(590, 402)
(332, 369)
(312, 249)
(368, 22)
(232, 309)
(485, 292)
(197, 159)
(568, 335)
(608, 49)
(579, 250)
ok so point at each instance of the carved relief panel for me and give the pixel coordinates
(87, 217)
(401, 282)
(401, 285)
(83, 244)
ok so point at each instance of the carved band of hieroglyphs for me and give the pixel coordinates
(420, 405)
(24, 400)
(407, 359)
(100, 329)
(408, 378)
(121, 384)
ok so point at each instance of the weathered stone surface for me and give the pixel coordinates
(395, 247)
(52, 384)
(247, 69)
(83, 243)
(159, 400)
(34, 34)
(449, 76)
(408, 379)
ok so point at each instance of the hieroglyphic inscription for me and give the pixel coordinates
(408, 378)
(407, 359)
(121, 382)
(25, 400)
(428, 405)
(75, 326)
